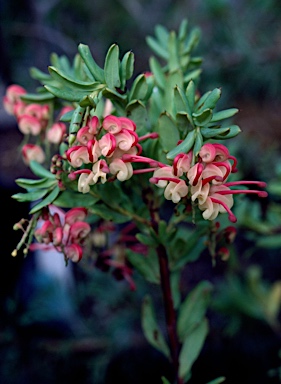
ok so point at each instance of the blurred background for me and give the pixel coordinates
(59, 326)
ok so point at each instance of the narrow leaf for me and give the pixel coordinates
(111, 67)
(211, 100)
(139, 88)
(184, 146)
(47, 201)
(191, 348)
(30, 196)
(158, 73)
(40, 171)
(30, 184)
(156, 47)
(93, 67)
(193, 309)
(168, 132)
(151, 329)
(226, 114)
(202, 118)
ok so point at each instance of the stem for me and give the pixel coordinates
(170, 313)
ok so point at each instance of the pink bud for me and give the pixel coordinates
(56, 133)
(78, 231)
(32, 152)
(73, 252)
(29, 125)
(75, 214)
(112, 124)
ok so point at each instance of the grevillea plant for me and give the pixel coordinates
(138, 157)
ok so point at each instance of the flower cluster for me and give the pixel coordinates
(205, 181)
(34, 120)
(65, 231)
(104, 146)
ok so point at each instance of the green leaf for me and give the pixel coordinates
(191, 348)
(162, 35)
(47, 201)
(37, 97)
(111, 67)
(146, 240)
(184, 147)
(193, 40)
(147, 266)
(93, 67)
(202, 118)
(36, 74)
(192, 75)
(164, 380)
(40, 171)
(65, 94)
(218, 380)
(157, 48)
(198, 143)
(30, 184)
(271, 242)
(173, 61)
(210, 101)
(168, 132)
(72, 83)
(208, 133)
(108, 214)
(30, 196)
(190, 94)
(71, 199)
(181, 103)
(66, 117)
(139, 89)
(193, 309)
(226, 114)
(158, 73)
(151, 329)
(234, 130)
(127, 67)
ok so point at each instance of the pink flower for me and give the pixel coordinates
(73, 252)
(84, 135)
(12, 98)
(75, 214)
(56, 133)
(78, 155)
(107, 144)
(175, 191)
(112, 124)
(32, 152)
(79, 231)
(29, 125)
(123, 171)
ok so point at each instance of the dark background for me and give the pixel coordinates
(102, 343)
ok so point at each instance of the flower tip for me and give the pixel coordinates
(14, 253)
(263, 194)
(153, 180)
(232, 218)
(72, 176)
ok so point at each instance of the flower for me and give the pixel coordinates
(66, 231)
(32, 152)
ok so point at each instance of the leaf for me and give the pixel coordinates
(109, 214)
(157, 71)
(202, 118)
(37, 97)
(147, 266)
(225, 114)
(198, 142)
(150, 327)
(190, 94)
(111, 67)
(162, 35)
(181, 102)
(193, 309)
(65, 94)
(36, 74)
(164, 380)
(156, 47)
(94, 68)
(173, 61)
(191, 348)
(139, 89)
(146, 240)
(30, 196)
(72, 83)
(193, 40)
(210, 101)
(40, 171)
(212, 132)
(66, 117)
(47, 201)
(184, 146)
(168, 132)
(127, 67)
(192, 75)
(234, 130)
(218, 380)
(30, 184)
(71, 199)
